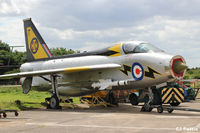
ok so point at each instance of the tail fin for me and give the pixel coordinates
(35, 46)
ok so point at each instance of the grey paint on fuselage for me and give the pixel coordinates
(157, 61)
(126, 65)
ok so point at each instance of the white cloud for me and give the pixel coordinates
(16, 7)
(12, 32)
(89, 46)
(87, 25)
(8, 7)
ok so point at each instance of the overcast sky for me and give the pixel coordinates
(172, 25)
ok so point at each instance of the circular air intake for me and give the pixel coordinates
(178, 67)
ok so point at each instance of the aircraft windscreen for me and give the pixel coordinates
(128, 47)
(146, 48)
(141, 48)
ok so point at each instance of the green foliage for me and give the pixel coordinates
(62, 51)
(10, 58)
(16, 58)
(19, 58)
(9, 94)
(12, 71)
(193, 73)
(34, 99)
(4, 46)
(5, 57)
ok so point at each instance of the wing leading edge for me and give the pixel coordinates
(60, 71)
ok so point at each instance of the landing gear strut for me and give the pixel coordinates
(147, 105)
(111, 99)
(53, 102)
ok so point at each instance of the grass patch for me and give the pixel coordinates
(193, 73)
(33, 100)
(9, 94)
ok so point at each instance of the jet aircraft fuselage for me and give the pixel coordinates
(127, 65)
(148, 67)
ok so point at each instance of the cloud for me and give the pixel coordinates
(9, 7)
(16, 7)
(12, 32)
(85, 25)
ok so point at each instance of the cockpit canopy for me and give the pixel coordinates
(131, 47)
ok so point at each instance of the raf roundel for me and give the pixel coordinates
(137, 71)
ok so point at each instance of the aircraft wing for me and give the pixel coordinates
(60, 71)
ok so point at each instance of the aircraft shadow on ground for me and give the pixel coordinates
(23, 106)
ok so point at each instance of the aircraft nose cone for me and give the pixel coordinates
(179, 67)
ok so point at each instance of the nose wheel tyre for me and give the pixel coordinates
(4, 115)
(170, 110)
(16, 113)
(54, 102)
(174, 104)
(160, 109)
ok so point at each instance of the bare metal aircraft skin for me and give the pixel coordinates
(127, 65)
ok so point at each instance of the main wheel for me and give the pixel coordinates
(111, 99)
(4, 115)
(54, 102)
(175, 104)
(170, 110)
(160, 109)
(133, 99)
(16, 113)
(147, 107)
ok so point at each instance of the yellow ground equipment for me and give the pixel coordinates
(96, 99)
(109, 98)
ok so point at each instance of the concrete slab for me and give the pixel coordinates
(124, 118)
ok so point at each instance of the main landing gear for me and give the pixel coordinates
(147, 105)
(53, 102)
(154, 101)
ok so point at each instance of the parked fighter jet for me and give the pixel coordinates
(127, 65)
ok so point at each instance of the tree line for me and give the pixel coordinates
(10, 60)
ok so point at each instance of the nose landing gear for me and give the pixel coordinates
(147, 105)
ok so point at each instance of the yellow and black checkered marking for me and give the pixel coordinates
(172, 95)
